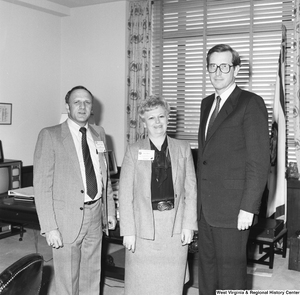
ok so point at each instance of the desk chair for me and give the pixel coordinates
(268, 232)
(23, 277)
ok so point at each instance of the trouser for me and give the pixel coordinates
(77, 266)
(222, 258)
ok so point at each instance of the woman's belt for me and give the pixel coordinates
(163, 205)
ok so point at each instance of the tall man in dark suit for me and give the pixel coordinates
(233, 164)
(73, 195)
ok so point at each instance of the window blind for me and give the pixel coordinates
(183, 32)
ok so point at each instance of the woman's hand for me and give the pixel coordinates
(186, 236)
(129, 243)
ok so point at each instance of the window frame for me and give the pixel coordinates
(184, 30)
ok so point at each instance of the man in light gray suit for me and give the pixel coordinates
(72, 217)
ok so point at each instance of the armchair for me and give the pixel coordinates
(23, 277)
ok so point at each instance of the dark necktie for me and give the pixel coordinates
(214, 114)
(91, 182)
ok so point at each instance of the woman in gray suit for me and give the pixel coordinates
(158, 212)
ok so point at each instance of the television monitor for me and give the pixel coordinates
(113, 169)
(4, 179)
(10, 175)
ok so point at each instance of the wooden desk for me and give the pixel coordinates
(24, 213)
(18, 214)
(18, 211)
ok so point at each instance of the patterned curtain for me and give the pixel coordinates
(296, 48)
(138, 80)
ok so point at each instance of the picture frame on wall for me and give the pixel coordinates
(5, 113)
(1, 153)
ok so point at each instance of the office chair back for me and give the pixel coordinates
(23, 277)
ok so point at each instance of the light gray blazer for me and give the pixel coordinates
(58, 185)
(136, 215)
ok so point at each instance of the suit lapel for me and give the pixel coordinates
(145, 165)
(101, 156)
(225, 111)
(173, 149)
(71, 151)
(206, 105)
(69, 146)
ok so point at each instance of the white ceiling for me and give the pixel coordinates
(79, 3)
(58, 7)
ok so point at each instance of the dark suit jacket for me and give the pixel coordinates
(233, 162)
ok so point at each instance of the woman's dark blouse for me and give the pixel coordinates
(161, 178)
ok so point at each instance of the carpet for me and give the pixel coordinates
(259, 277)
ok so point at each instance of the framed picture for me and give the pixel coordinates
(1, 153)
(5, 113)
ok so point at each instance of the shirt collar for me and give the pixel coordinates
(226, 93)
(74, 126)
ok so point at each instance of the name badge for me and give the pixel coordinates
(100, 146)
(146, 155)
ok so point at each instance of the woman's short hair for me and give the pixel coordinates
(151, 103)
(236, 61)
(67, 98)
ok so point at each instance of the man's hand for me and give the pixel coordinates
(245, 220)
(54, 239)
(112, 222)
(129, 243)
(186, 236)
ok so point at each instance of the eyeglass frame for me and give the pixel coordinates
(219, 67)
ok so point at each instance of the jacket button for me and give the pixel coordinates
(81, 208)
(82, 191)
(204, 162)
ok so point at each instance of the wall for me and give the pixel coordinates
(29, 76)
(94, 55)
(43, 55)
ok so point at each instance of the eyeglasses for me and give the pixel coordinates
(224, 68)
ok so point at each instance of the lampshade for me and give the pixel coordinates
(63, 117)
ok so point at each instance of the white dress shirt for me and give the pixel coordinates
(77, 136)
(224, 97)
